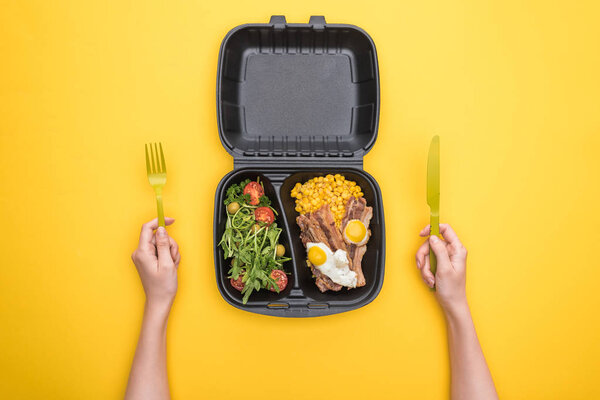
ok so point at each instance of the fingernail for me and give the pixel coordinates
(161, 231)
(434, 238)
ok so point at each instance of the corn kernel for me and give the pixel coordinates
(333, 190)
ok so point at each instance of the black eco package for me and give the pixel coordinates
(297, 101)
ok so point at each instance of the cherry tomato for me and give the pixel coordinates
(237, 283)
(264, 214)
(281, 279)
(255, 190)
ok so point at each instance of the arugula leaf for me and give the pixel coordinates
(264, 201)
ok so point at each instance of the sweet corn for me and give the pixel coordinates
(333, 190)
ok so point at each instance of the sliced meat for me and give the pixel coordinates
(357, 209)
(311, 230)
(325, 218)
(357, 255)
(319, 227)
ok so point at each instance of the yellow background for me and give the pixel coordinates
(512, 88)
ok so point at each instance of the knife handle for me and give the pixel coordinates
(435, 230)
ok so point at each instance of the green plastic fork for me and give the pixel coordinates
(157, 175)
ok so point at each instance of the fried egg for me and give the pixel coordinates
(334, 265)
(355, 232)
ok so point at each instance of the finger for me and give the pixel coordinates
(426, 273)
(421, 253)
(441, 253)
(163, 247)
(450, 236)
(174, 248)
(422, 258)
(148, 230)
(425, 231)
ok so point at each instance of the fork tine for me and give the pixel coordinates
(162, 159)
(152, 158)
(156, 159)
(147, 160)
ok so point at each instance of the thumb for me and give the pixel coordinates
(440, 251)
(163, 246)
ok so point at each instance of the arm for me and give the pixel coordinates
(156, 259)
(470, 375)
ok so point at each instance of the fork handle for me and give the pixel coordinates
(159, 208)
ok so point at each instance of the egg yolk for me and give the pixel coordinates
(317, 256)
(355, 230)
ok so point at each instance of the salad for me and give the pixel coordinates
(251, 240)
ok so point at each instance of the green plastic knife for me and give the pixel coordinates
(433, 194)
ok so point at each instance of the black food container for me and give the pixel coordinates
(295, 101)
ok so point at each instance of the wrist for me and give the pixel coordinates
(457, 309)
(157, 309)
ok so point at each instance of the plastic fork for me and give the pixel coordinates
(157, 175)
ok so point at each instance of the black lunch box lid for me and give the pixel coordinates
(305, 94)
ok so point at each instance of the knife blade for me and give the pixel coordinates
(433, 194)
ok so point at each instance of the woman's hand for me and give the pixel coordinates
(156, 259)
(470, 375)
(450, 277)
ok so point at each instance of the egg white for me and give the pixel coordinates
(336, 266)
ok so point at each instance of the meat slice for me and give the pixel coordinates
(325, 218)
(357, 209)
(310, 230)
(357, 254)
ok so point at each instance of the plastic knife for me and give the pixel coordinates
(433, 194)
